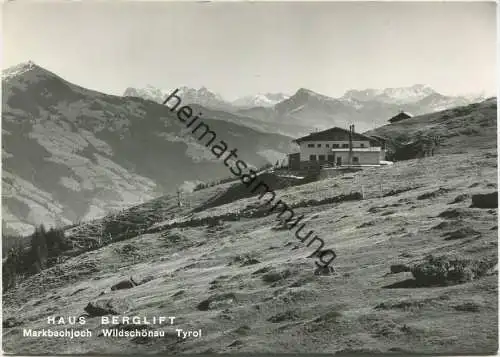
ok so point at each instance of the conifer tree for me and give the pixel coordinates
(39, 248)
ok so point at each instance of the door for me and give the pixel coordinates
(339, 160)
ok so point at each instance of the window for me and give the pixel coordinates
(355, 160)
(335, 145)
(319, 145)
(331, 158)
(312, 157)
(327, 145)
(362, 145)
(321, 157)
(310, 145)
(345, 145)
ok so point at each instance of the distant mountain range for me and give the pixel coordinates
(73, 154)
(70, 153)
(200, 96)
(207, 98)
(403, 95)
(307, 110)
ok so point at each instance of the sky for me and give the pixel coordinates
(239, 49)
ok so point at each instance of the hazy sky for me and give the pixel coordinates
(243, 48)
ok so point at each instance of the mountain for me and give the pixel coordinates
(307, 110)
(436, 102)
(234, 112)
(306, 104)
(206, 98)
(201, 96)
(366, 109)
(403, 95)
(260, 100)
(70, 153)
(149, 92)
(312, 110)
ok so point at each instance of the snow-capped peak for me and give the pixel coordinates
(202, 96)
(260, 100)
(18, 69)
(391, 95)
(149, 92)
(199, 96)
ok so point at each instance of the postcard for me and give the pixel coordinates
(249, 177)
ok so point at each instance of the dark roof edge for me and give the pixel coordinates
(304, 138)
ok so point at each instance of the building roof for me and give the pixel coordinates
(379, 138)
(400, 116)
(329, 135)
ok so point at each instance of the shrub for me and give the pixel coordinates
(443, 270)
(406, 147)
(204, 185)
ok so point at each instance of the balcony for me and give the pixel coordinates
(358, 149)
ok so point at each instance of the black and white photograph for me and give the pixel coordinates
(254, 178)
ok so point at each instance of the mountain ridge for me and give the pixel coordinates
(311, 110)
(71, 153)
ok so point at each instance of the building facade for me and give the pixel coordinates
(337, 147)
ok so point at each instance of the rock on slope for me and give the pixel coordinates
(70, 153)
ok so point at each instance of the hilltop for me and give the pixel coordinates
(457, 130)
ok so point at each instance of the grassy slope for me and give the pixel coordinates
(311, 313)
(461, 129)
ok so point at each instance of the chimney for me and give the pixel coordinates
(351, 131)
